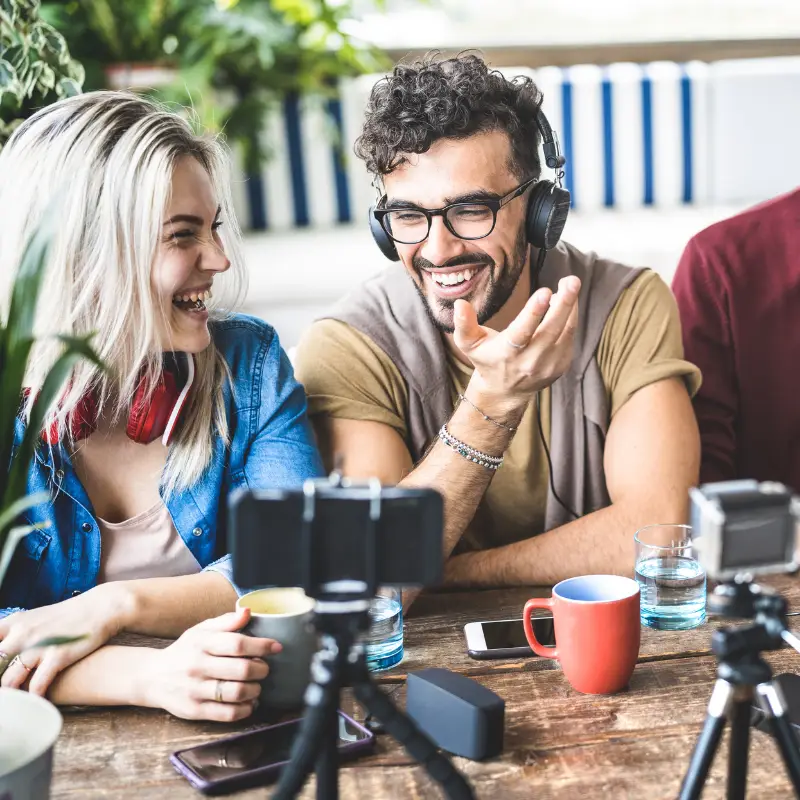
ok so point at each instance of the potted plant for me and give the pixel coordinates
(35, 64)
(29, 725)
(122, 44)
(251, 54)
(231, 59)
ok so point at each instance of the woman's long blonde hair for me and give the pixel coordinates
(102, 163)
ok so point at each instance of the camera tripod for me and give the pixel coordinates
(341, 661)
(744, 676)
(341, 615)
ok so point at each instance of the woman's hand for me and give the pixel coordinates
(210, 672)
(94, 616)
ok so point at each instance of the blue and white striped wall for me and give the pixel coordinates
(660, 134)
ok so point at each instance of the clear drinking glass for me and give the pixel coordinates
(671, 581)
(384, 640)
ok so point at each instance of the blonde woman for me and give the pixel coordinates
(138, 460)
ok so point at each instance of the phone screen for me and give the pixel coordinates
(263, 747)
(509, 633)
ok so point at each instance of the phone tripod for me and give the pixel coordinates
(742, 676)
(341, 661)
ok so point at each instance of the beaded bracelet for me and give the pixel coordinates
(470, 453)
(452, 440)
(502, 425)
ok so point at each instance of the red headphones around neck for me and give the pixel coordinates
(149, 418)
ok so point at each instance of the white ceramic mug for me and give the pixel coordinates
(29, 727)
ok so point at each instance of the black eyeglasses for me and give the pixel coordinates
(474, 220)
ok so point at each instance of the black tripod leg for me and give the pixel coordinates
(321, 694)
(406, 732)
(707, 741)
(773, 703)
(739, 745)
(327, 765)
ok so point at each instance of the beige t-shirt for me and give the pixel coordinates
(144, 546)
(347, 375)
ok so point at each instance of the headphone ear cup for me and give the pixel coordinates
(148, 418)
(382, 239)
(548, 208)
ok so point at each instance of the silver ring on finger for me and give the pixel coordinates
(218, 692)
(18, 660)
(514, 344)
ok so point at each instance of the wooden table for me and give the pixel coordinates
(558, 743)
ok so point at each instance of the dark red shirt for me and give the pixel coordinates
(738, 291)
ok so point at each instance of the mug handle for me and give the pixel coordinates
(539, 649)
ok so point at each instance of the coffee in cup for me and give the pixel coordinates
(284, 615)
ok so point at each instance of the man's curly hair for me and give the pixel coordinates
(432, 99)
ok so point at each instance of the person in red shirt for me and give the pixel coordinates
(738, 291)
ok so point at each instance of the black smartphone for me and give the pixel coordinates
(505, 638)
(272, 544)
(255, 758)
(790, 686)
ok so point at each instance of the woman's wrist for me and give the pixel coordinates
(111, 676)
(141, 678)
(122, 602)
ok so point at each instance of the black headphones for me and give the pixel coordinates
(548, 204)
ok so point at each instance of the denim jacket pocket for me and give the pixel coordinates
(23, 570)
(238, 480)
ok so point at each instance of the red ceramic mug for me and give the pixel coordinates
(596, 621)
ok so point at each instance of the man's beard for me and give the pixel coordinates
(500, 284)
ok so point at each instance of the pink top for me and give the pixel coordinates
(144, 546)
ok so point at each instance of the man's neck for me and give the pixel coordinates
(503, 318)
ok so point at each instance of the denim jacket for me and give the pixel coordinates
(271, 446)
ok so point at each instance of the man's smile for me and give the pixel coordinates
(453, 282)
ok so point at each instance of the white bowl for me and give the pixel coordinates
(29, 727)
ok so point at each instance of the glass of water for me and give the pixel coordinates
(671, 581)
(384, 640)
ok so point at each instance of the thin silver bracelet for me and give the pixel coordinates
(466, 399)
(470, 453)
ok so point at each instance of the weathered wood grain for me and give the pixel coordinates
(559, 744)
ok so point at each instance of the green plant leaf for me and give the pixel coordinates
(18, 507)
(57, 641)
(76, 349)
(17, 56)
(9, 542)
(47, 79)
(55, 41)
(40, 59)
(8, 75)
(68, 87)
(16, 343)
(29, 276)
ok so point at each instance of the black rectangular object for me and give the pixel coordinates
(269, 546)
(459, 714)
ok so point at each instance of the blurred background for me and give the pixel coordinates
(672, 113)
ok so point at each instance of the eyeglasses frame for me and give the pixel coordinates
(494, 205)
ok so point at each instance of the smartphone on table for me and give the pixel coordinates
(256, 757)
(505, 638)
